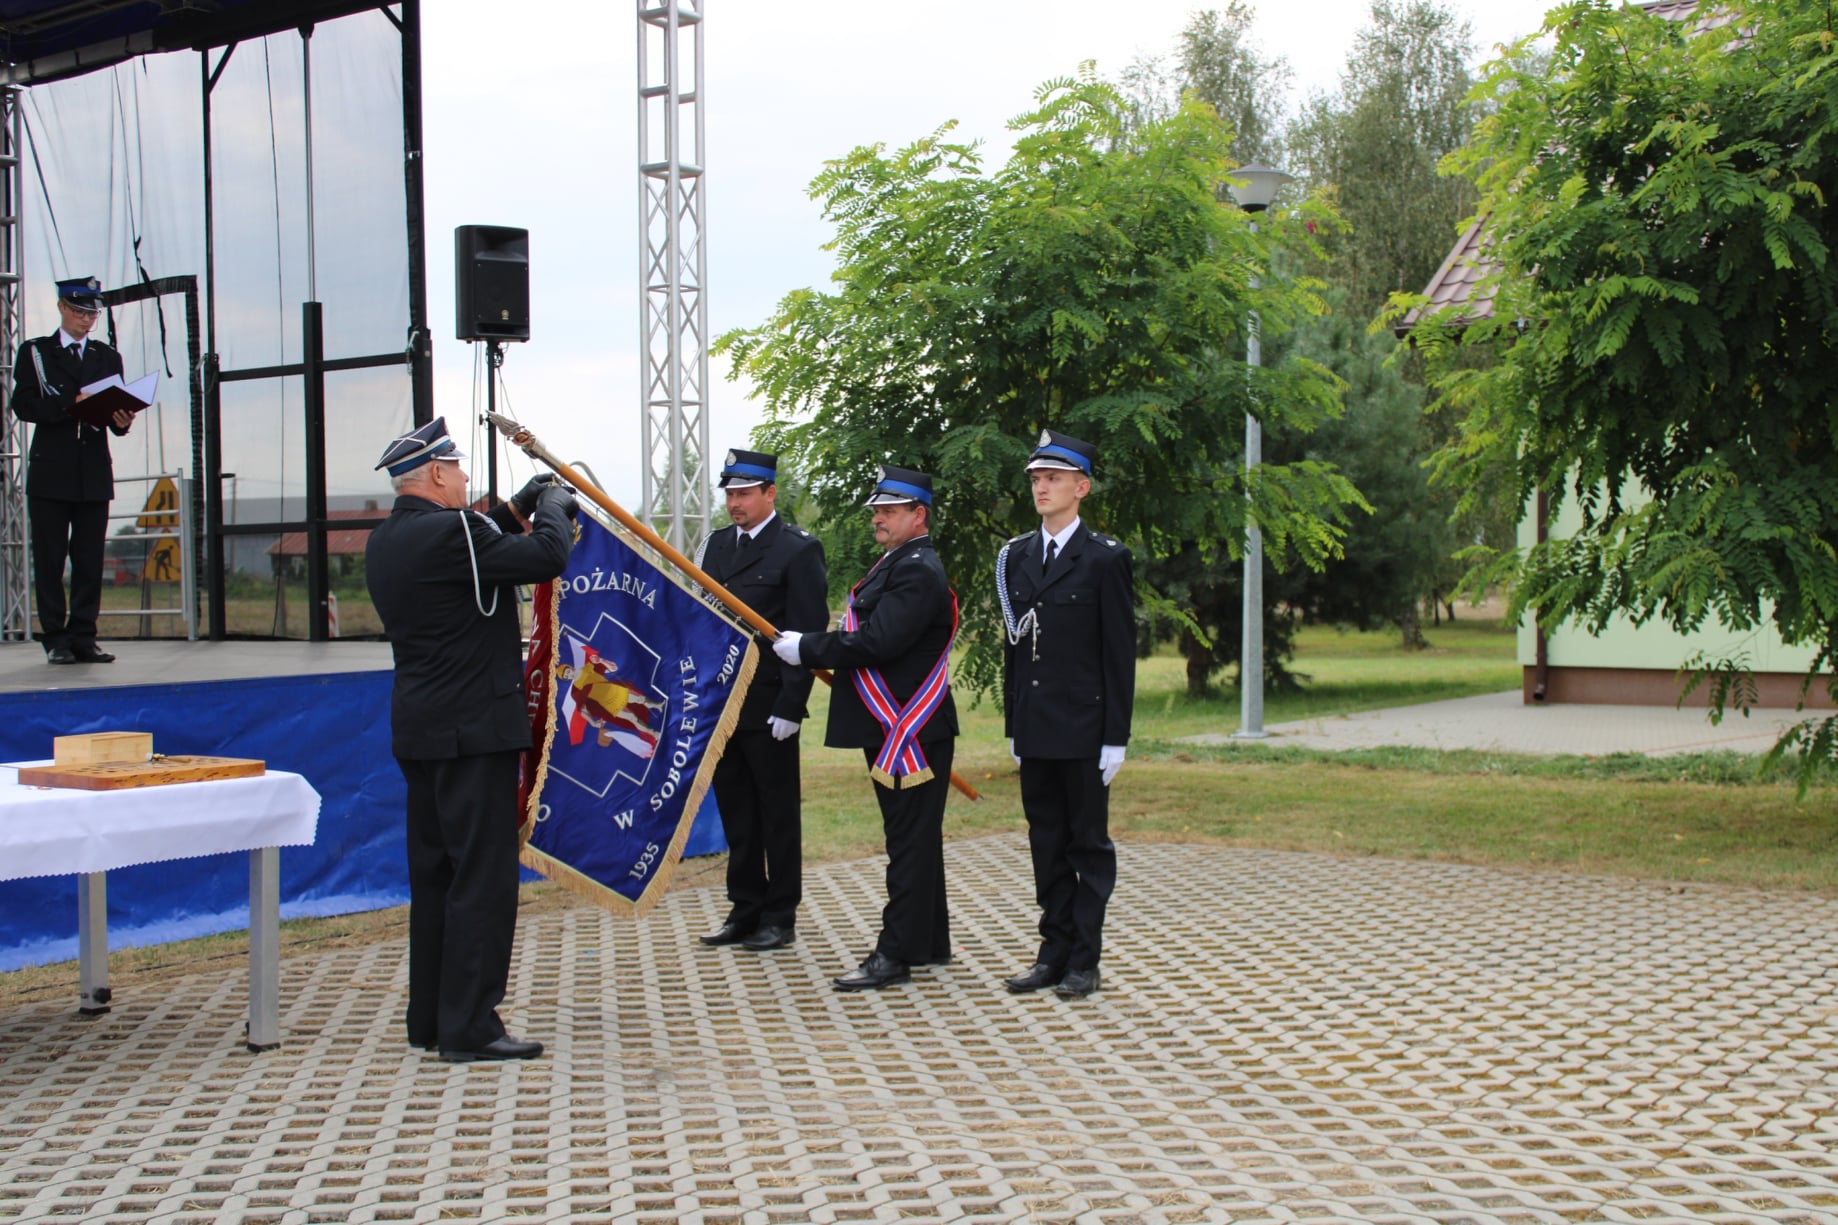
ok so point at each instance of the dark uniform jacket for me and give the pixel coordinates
(904, 609)
(1069, 684)
(69, 461)
(780, 576)
(459, 674)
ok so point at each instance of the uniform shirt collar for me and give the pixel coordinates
(1064, 536)
(65, 340)
(754, 534)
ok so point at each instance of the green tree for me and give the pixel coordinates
(1093, 284)
(1379, 579)
(1375, 144)
(1216, 62)
(1393, 554)
(1660, 354)
(1222, 67)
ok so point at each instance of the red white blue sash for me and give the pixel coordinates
(901, 762)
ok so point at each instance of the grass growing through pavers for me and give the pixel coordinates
(1705, 819)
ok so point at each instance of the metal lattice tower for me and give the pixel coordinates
(673, 269)
(15, 585)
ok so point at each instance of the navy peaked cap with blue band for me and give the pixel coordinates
(83, 291)
(745, 469)
(901, 485)
(421, 446)
(1062, 451)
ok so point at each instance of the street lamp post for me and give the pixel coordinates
(1253, 187)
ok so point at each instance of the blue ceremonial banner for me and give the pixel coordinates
(635, 679)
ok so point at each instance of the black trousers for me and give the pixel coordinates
(1075, 865)
(757, 790)
(73, 531)
(915, 924)
(462, 880)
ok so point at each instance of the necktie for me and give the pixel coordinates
(75, 350)
(745, 540)
(1052, 552)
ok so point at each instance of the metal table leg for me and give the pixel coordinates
(92, 944)
(264, 949)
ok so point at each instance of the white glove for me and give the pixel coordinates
(1011, 750)
(782, 729)
(785, 646)
(1110, 760)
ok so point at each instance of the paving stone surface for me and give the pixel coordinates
(1280, 1037)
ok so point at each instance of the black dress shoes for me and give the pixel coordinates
(60, 655)
(93, 655)
(728, 933)
(1040, 976)
(506, 1047)
(878, 971)
(769, 937)
(1077, 983)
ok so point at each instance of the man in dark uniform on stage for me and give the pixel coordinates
(1069, 684)
(70, 477)
(444, 580)
(892, 700)
(777, 570)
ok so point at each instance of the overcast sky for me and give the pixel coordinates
(533, 123)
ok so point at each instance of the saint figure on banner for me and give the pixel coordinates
(597, 697)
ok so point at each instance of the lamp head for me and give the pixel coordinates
(1253, 187)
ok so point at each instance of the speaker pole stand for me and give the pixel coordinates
(494, 358)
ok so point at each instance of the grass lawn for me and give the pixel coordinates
(1346, 672)
(1699, 820)
(1706, 819)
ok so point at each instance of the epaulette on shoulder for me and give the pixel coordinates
(800, 531)
(1109, 542)
(102, 344)
(1022, 538)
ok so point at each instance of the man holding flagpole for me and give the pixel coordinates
(892, 700)
(444, 579)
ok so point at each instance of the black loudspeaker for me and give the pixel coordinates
(491, 282)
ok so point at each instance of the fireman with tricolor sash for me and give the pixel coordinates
(892, 700)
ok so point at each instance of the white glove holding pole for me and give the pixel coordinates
(785, 646)
(1110, 760)
(782, 729)
(1011, 750)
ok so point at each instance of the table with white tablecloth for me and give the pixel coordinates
(55, 831)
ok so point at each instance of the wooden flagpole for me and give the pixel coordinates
(520, 436)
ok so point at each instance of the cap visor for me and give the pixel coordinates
(1058, 465)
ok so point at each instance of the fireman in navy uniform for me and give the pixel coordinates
(1069, 683)
(443, 579)
(70, 477)
(895, 643)
(777, 570)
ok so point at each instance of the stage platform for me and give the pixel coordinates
(318, 709)
(169, 661)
